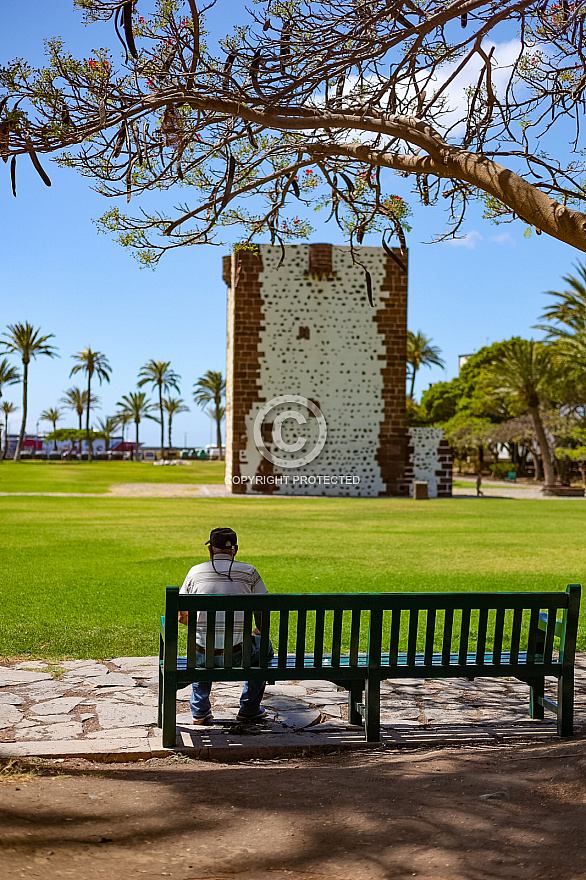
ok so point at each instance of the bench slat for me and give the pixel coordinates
(283, 638)
(354, 636)
(318, 639)
(247, 640)
(447, 640)
(228, 637)
(191, 640)
(533, 635)
(265, 629)
(464, 636)
(497, 645)
(481, 636)
(412, 637)
(337, 636)
(301, 631)
(516, 634)
(210, 639)
(429, 635)
(549, 634)
(395, 633)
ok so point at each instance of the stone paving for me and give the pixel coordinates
(107, 710)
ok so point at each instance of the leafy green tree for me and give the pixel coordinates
(9, 375)
(26, 342)
(421, 353)
(53, 414)
(173, 406)
(79, 401)
(135, 407)
(7, 409)
(106, 428)
(526, 373)
(93, 363)
(211, 389)
(440, 402)
(160, 376)
(339, 90)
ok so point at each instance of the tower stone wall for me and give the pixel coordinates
(300, 326)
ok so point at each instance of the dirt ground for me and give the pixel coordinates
(462, 814)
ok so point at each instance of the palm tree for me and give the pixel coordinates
(421, 353)
(525, 373)
(53, 414)
(9, 375)
(7, 409)
(173, 406)
(107, 426)
(159, 375)
(134, 407)
(211, 388)
(92, 363)
(26, 341)
(77, 400)
(570, 308)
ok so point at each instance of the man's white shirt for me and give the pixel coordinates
(245, 581)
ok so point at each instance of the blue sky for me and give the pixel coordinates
(61, 275)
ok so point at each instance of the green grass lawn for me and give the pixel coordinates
(85, 577)
(97, 476)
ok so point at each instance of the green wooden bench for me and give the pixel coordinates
(446, 635)
(511, 477)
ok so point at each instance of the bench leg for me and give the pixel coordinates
(169, 720)
(354, 696)
(566, 704)
(372, 710)
(160, 710)
(536, 692)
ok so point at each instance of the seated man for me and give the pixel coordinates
(221, 575)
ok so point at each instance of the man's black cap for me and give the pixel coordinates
(223, 539)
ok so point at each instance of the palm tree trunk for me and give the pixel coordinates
(24, 411)
(79, 442)
(548, 474)
(413, 374)
(219, 437)
(170, 422)
(162, 423)
(6, 436)
(137, 424)
(87, 416)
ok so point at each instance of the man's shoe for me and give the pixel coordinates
(247, 719)
(207, 719)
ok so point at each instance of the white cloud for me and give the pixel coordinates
(469, 241)
(503, 238)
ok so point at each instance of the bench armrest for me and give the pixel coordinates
(559, 625)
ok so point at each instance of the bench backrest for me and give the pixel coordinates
(445, 630)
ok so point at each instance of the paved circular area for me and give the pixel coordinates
(102, 708)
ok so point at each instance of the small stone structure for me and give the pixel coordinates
(300, 326)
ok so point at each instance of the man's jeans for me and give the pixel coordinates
(252, 693)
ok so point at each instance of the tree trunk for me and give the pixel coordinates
(412, 382)
(162, 422)
(170, 421)
(87, 416)
(6, 437)
(219, 437)
(79, 442)
(548, 473)
(24, 411)
(137, 424)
